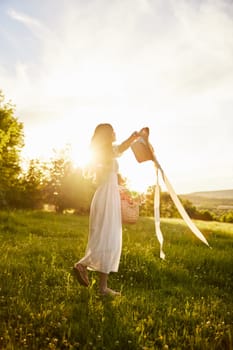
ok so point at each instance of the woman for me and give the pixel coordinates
(103, 250)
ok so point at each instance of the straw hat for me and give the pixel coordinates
(141, 148)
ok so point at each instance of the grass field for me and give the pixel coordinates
(184, 302)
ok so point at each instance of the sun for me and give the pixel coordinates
(80, 156)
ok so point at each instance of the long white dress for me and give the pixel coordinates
(104, 245)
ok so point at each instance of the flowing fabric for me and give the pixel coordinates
(183, 212)
(157, 216)
(178, 205)
(144, 151)
(104, 246)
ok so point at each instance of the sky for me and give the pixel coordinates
(166, 64)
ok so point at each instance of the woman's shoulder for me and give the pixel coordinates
(116, 150)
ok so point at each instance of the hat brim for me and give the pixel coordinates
(142, 150)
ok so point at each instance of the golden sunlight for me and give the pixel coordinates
(139, 175)
(80, 156)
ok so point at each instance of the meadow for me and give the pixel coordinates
(183, 302)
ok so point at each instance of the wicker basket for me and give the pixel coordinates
(129, 211)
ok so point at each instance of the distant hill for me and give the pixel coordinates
(222, 199)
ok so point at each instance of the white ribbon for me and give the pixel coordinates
(147, 153)
(178, 205)
(157, 215)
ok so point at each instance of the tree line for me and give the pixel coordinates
(58, 183)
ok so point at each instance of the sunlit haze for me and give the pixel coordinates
(69, 65)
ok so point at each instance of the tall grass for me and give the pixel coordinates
(184, 302)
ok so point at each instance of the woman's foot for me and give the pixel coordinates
(80, 272)
(109, 291)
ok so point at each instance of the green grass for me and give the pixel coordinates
(184, 302)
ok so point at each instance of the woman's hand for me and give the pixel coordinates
(134, 136)
(127, 143)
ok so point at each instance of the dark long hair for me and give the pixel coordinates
(101, 145)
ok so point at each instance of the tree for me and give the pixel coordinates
(32, 185)
(77, 191)
(67, 187)
(147, 207)
(227, 217)
(11, 143)
(167, 207)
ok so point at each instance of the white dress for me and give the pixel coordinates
(104, 245)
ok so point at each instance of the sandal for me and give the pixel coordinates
(81, 274)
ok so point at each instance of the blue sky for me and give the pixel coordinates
(69, 65)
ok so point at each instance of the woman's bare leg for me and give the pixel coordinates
(103, 282)
(103, 285)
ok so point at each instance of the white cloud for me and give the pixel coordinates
(21, 17)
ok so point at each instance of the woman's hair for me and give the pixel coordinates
(101, 145)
